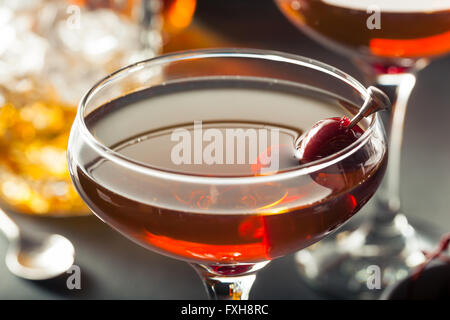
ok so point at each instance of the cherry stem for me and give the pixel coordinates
(377, 100)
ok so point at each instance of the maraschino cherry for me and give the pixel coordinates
(331, 135)
(327, 137)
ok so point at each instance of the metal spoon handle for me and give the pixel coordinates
(8, 227)
(376, 101)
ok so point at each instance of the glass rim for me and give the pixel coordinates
(270, 55)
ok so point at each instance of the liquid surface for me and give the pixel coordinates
(292, 115)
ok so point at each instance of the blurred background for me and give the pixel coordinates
(53, 51)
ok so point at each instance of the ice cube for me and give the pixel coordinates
(39, 40)
(102, 35)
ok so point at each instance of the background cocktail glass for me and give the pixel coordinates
(215, 247)
(389, 41)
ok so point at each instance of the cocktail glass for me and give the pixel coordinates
(389, 41)
(227, 222)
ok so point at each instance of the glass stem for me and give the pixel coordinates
(228, 282)
(399, 88)
(150, 23)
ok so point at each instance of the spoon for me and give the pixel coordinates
(32, 258)
(376, 101)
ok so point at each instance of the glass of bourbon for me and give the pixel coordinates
(52, 52)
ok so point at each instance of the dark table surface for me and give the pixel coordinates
(113, 267)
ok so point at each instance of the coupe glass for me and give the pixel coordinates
(226, 226)
(389, 41)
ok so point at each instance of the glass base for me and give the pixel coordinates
(359, 263)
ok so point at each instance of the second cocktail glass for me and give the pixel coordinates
(390, 41)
